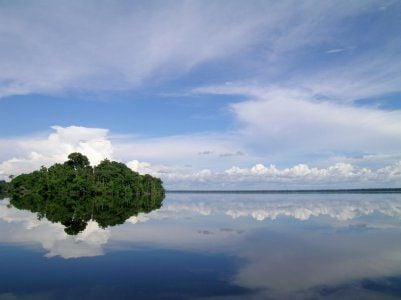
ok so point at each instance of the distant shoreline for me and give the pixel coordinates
(300, 191)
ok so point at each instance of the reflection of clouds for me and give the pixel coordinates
(286, 260)
(136, 219)
(27, 229)
(305, 261)
(17, 216)
(267, 206)
(281, 260)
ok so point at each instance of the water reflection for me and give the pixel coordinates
(75, 214)
(289, 246)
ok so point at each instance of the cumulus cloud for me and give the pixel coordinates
(339, 175)
(140, 167)
(35, 151)
(167, 158)
(31, 152)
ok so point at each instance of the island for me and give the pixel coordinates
(73, 193)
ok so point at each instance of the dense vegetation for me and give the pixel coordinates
(73, 193)
(3, 189)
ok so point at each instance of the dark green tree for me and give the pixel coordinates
(78, 161)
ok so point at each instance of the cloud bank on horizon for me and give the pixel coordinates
(281, 94)
(97, 144)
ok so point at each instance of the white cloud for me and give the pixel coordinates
(178, 151)
(33, 152)
(292, 121)
(167, 155)
(296, 107)
(259, 176)
(50, 47)
(140, 167)
(167, 158)
(337, 50)
(301, 176)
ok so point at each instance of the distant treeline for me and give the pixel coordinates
(320, 191)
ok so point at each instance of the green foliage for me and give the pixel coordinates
(3, 189)
(78, 161)
(74, 193)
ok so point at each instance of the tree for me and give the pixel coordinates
(78, 161)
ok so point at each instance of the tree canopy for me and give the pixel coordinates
(74, 192)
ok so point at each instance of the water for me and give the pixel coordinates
(213, 246)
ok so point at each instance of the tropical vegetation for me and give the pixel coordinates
(74, 193)
(3, 189)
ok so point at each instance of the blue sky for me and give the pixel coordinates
(206, 94)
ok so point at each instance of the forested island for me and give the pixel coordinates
(74, 193)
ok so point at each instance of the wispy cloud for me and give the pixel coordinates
(206, 152)
(50, 47)
(292, 120)
(339, 50)
(229, 154)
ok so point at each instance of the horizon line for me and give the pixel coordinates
(293, 191)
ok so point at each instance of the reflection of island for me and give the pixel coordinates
(75, 214)
(74, 193)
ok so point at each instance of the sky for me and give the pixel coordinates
(206, 94)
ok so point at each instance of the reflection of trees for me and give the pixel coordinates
(75, 214)
(74, 193)
(3, 189)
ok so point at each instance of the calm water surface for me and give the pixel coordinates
(212, 246)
